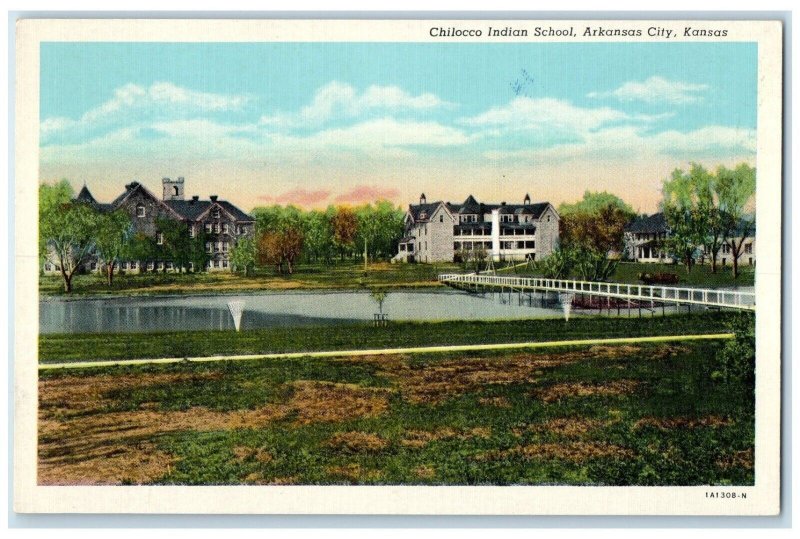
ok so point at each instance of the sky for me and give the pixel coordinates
(314, 124)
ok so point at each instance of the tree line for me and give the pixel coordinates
(286, 235)
(71, 233)
(702, 209)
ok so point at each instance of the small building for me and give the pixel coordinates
(443, 231)
(645, 237)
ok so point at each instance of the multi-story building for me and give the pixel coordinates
(222, 222)
(645, 237)
(442, 231)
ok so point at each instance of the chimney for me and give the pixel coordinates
(195, 198)
(213, 198)
(527, 200)
(503, 203)
(422, 199)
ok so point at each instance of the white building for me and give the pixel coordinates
(440, 231)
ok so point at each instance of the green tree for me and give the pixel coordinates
(243, 255)
(684, 215)
(736, 190)
(557, 265)
(176, 245)
(66, 230)
(141, 248)
(318, 236)
(198, 254)
(112, 235)
(593, 202)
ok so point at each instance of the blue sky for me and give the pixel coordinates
(320, 123)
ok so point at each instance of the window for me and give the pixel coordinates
(48, 267)
(208, 246)
(133, 265)
(225, 247)
(530, 244)
(208, 228)
(191, 231)
(224, 228)
(149, 265)
(161, 265)
(216, 246)
(93, 266)
(748, 248)
(216, 263)
(224, 263)
(441, 218)
(169, 265)
(216, 228)
(177, 191)
(457, 245)
(159, 238)
(215, 214)
(123, 265)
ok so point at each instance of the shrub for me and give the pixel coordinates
(738, 357)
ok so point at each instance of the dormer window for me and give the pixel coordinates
(423, 215)
(140, 210)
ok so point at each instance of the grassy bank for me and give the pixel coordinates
(342, 275)
(623, 415)
(77, 347)
(699, 276)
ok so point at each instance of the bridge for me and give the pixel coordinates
(632, 293)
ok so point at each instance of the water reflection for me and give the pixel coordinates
(278, 310)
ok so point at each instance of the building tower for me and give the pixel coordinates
(173, 189)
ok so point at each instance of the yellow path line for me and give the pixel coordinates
(385, 351)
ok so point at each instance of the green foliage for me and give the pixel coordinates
(177, 246)
(67, 230)
(558, 265)
(243, 256)
(112, 237)
(738, 356)
(595, 202)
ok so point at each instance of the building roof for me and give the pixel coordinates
(187, 209)
(85, 196)
(471, 207)
(648, 224)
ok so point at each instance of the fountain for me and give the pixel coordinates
(236, 308)
(565, 299)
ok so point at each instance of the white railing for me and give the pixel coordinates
(733, 299)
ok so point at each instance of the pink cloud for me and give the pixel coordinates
(367, 193)
(300, 197)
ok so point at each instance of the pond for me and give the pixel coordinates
(280, 309)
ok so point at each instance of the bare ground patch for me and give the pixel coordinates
(573, 452)
(416, 439)
(669, 423)
(357, 442)
(560, 391)
(424, 472)
(498, 402)
(738, 459)
(327, 401)
(567, 427)
(354, 472)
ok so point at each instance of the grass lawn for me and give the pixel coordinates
(77, 347)
(700, 276)
(306, 276)
(616, 415)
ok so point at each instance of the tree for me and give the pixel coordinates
(736, 190)
(345, 227)
(66, 230)
(684, 215)
(243, 255)
(141, 248)
(557, 265)
(593, 202)
(318, 236)
(176, 246)
(112, 235)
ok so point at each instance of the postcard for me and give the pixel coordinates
(497, 267)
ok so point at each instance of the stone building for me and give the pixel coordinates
(441, 231)
(223, 223)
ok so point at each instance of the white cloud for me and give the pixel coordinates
(628, 142)
(339, 100)
(133, 103)
(549, 114)
(656, 90)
